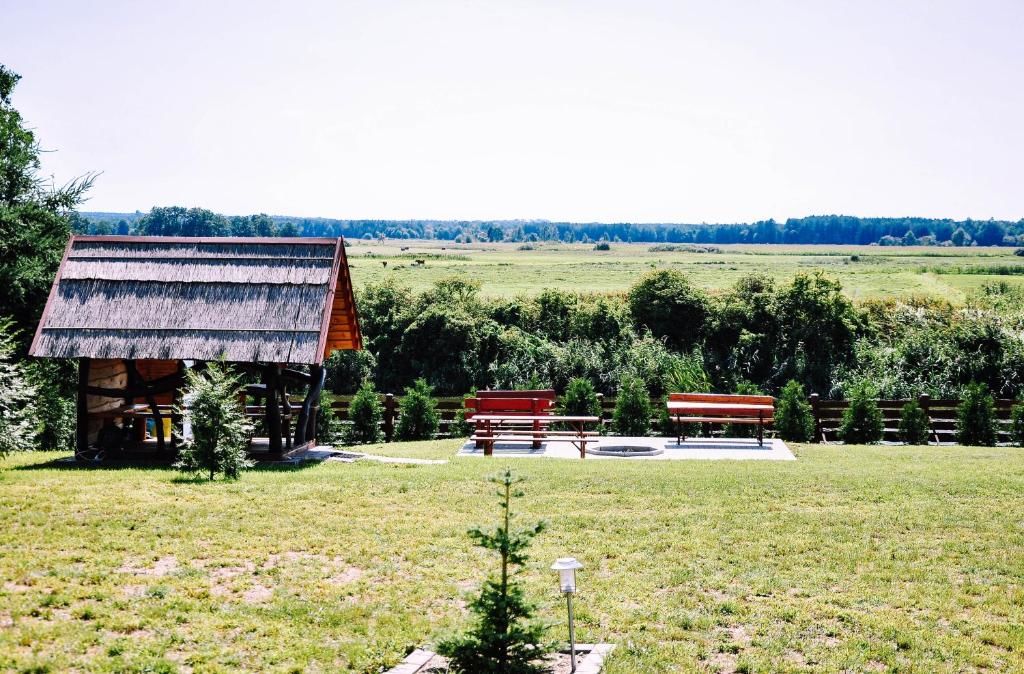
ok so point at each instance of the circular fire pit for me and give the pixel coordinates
(625, 450)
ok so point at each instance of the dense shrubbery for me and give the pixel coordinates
(674, 337)
(17, 396)
(580, 399)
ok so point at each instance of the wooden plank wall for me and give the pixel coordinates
(107, 374)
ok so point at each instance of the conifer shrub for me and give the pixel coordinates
(506, 638)
(17, 397)
(418, 418)
(632, 415)
(460, 427)
(220, 429)
(580, 399)
(365, 414)
(1017, 425)
(326, 420)
(862, 421)
(976, 417)
(793, 417)
(914, 426)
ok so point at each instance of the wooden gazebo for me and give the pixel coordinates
(136, 311)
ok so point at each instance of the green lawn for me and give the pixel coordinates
(503, 269)
(857, 558)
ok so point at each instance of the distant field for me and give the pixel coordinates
(503, 269)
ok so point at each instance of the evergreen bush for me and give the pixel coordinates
(326, 420)
(418, 418)
(632, 407)
(17, 396)
(55, 405)
(1017, 425)
(365, 413)
(506, 639)
(220, 429)
(460, 428)
(976, 417)
(914, 426)
(580, 399)
(862, 421)
(793, 417)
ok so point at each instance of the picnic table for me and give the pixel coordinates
(511, 427)
(720, 409)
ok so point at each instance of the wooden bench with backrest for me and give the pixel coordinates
(521, 403)
(720, 408)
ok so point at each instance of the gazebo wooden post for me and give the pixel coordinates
(273, 412)
(134, 378)
(82, 408)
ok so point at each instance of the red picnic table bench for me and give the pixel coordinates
(513, 428)
(718, 408)
(536, 403)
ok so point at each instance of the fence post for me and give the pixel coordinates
(390, 407)
(819, 435)
(923, 400)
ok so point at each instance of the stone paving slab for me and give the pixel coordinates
(737, 449)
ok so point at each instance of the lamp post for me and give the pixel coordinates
(566, 568)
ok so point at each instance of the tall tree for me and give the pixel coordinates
(34, 218)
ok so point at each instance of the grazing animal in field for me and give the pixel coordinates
(421, 261)
(385, 263)
(405, 247)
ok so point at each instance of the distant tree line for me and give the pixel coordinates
(815, 229)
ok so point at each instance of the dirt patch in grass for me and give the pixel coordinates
(162, 567)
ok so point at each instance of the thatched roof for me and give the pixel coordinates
(246, 300)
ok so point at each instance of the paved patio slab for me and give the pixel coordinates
(737, 449)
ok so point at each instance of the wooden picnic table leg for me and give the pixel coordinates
(489, 443)
(760, 429)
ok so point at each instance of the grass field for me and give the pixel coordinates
(852, 558)
(503, 269)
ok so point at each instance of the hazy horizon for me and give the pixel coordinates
(657, 112)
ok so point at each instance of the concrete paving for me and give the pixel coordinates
(737, 449)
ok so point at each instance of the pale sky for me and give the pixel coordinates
(585, 111)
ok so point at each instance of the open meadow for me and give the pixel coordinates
(505, 269)
(851, 558)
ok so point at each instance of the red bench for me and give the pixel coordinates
(516, 403)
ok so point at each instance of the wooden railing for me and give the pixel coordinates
(941, 412)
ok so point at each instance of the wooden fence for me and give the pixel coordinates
(828, 415)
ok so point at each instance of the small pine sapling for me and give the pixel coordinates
(418, 418)
(793, 418)
(632, 415)
(220, 430)
(365, 414)
(976, 417)
(862, 421)
(914, 426)
(505, 639)
(1017, 425)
